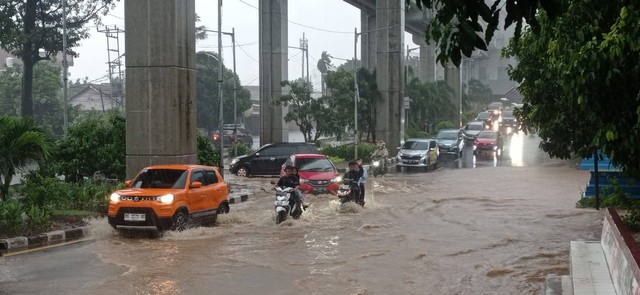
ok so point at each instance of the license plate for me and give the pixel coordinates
(320, 189)
(134, 217)
(411, 161)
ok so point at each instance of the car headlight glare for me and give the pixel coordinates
(302, 180)
(234, 161)
(115, 198)
(166, 199)
(337, 179)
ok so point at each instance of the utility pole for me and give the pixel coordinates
(65, 65)
(235, 89)
(221, 120)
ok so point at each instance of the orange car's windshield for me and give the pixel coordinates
(161, 178)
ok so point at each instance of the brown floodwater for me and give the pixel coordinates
(498, 228)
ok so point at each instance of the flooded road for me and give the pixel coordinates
(495, 229)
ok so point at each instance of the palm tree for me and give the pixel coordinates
(324, 64)
(20, 141)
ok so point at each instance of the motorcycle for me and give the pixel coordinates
(286, 204)
(377, 167)
(348, 191)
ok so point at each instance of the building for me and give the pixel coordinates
(7, 60)
(94, 97)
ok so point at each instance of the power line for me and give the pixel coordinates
(251, 57)
(303, 25)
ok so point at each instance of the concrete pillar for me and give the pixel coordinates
(390, 69)
(426, 69)
(452, 78)
(368, 46)
(161, 83)
(273, 37)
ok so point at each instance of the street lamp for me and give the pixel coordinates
(221, 161)
(235, 86)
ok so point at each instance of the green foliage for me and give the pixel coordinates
(430, 103)
(239, 149)
(48, 105)
(207, 93)
(460, 27)
(95, 142)
(445, 125)
(52, 193)
(415, 132)
(336, 160)
(206, 154)
(20, 142)
(339, 102)
(346, 151)
(477, 96)
(39, 219)
(29, 27)
(303, 109)
(11, 216)
(579, 74)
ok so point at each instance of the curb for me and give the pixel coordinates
(44, 239)
(238, 199)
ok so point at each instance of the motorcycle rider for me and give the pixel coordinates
(363, 181)
(289, 180)
(381, 153)
(294, 173)
(354, 175)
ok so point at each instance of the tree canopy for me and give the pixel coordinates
(207, 94)
(32, 31)
(579, 75)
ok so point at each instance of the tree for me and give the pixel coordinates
(303, 109)
(431, 103)
(20, 141)
(48, 104)
(29, 26)
(477, 95)
(324, 65)
(207, 100)
(466, 25)
(579, 75)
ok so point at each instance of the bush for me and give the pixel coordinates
(336, 160)
(39, 219)
(207, 155)
(445, 125)
(51, 193)
(11, 220)
(346, 151)
(94, 143)
(241, 148)
(414, 132)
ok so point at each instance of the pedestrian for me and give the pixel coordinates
(362, 182)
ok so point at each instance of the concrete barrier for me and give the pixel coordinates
(44, 239)
(622, 254)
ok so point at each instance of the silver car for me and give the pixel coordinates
(418, 152)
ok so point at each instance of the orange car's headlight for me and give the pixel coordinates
(115, 198)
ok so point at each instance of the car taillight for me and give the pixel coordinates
(216, 136)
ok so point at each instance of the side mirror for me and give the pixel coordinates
(196, 184)
(399, 148)
(257, 154)
(128, 183)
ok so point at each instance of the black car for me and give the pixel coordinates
(269, 159)
(233, 135)
(488, 118)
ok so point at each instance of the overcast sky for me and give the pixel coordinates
(312, 17)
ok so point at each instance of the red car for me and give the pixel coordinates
(489, 140)
(317, 174)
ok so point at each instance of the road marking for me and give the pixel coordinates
(45, 247)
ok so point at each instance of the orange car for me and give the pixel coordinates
(168, 197)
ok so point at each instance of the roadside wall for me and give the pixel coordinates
(622, 254)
